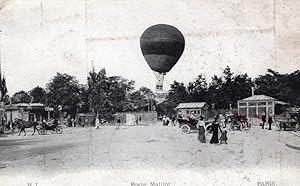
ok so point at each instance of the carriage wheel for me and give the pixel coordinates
(42, 131)
(279, 126)
(185, 129)
(59, 130)
(53, 131)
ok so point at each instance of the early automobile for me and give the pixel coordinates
(187, 126)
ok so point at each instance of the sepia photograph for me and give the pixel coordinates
(149, 93)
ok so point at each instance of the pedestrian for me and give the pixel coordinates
(118, 122)
(222, 120)
(167, 121)
(270, 121)
(173, 119)
(97, 122)
(263, 119)
(179, 115)
(164, 120)
(73, 122)
(215, 128)
(297, 123)
(201, 130)
(223, 137)
(136, 121)
(191, 118)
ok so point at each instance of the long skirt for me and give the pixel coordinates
(201, 134)
(214, 138)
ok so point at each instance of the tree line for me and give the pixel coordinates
(224, 91)
(102, 94)
(107, 95)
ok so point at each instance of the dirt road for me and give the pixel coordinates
(148, 154)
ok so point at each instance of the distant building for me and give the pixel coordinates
(137, 118)
(83, 119)
(254, 106)
(197, 107)
(25, 111)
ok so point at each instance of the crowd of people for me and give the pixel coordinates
(219, 126)
(264, 119)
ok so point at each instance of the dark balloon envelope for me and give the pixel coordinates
(162, 45)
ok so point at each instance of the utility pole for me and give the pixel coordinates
(1, 103)
(42, 35)
(0, 50)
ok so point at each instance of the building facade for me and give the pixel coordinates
(25, 111)
(186, 108)
(257, 105)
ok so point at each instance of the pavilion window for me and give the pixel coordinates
(252, 104)
(252, 112)
(262, 110)
(242, 104)
(243, 111)
(270, 110)
(262, 103)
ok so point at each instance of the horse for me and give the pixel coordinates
(13, 127)
(21, 125)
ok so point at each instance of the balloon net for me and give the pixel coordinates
(160, 94)
(160, 81)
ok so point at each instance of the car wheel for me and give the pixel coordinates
(185, 129)
(59, 130)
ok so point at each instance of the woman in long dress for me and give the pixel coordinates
(201, 130)
(215, 129)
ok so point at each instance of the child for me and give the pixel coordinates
(223, 137)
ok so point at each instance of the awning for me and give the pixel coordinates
(193, 105)
(281, 103)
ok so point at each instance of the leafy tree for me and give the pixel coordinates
(281, 86)
(177, 94)
(141, 98)
(64, 90)
(223, 91)
(38, 94)
(241, 88)
(214, 91)
(228, 89)
(269, 84)
(107, 95)
(83, 97)
(21, 97)
(198, 89)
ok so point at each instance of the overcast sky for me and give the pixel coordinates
(40, 39)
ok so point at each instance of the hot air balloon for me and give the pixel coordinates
(161, 45)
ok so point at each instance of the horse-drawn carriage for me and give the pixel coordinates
(41, 128)
(53, 126)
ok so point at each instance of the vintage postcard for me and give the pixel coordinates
(149, 93)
